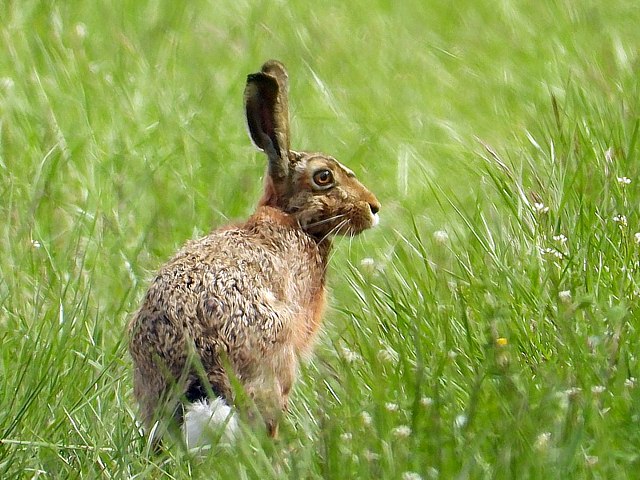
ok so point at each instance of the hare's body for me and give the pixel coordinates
(246, 301)
(248, 292)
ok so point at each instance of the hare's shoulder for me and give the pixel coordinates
(242, 247)
(240, 255)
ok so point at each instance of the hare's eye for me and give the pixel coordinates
(323, 178)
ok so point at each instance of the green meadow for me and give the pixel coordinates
(488, 328)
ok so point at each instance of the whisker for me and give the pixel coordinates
(332, 231)
(335, 229)
(326, 220)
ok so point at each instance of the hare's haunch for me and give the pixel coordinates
(247, 297)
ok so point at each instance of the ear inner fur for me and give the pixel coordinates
(277, 71)
(268, 119)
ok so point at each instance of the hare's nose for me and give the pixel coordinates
(375, 207)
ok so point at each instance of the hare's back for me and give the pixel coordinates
(229, 285)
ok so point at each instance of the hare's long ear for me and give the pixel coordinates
(266, 105)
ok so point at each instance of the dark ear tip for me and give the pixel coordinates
(275, 68)
(262, 79)
(253, 76)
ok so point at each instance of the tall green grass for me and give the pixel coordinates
(487, 329)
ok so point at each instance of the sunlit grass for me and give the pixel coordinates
(487, 329)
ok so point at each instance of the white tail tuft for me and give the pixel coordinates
(207, 419)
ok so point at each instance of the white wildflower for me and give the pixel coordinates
(621, 219)
(349, 355)
(591, 460)
(346, 437)
(560, 239)
(540, 207)
(368, 264)
(598, 389)
(391, 407)
(411, 476)
(624, 181)
(565, 296)
(441, 237)
(403, 431)
(551, 252)
(460, 421)
(7, 83)
(370, 456)
(636, 237)
(81, 30)
(572, 392)
(426, 401)
(630, 382)
(366, 419)
(542, 441)
(36, 244)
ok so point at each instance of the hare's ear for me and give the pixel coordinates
(266, 105)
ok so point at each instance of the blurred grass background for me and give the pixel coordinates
(487, 329)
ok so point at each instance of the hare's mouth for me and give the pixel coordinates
(360, 223)
(348, 223)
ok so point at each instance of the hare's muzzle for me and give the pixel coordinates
(375, 208)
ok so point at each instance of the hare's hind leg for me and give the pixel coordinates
(284, 373)
(152, 394)
(148, 387)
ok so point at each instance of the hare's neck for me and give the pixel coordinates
(271, 197)
(266, 214)
(276, 217)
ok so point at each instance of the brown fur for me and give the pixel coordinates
(249, 297)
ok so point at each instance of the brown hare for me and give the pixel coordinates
(246, 301)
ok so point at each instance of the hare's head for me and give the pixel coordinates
(321, 193)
